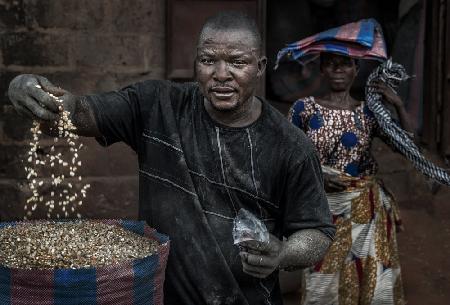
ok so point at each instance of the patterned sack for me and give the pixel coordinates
(139, 282)
(362, 39)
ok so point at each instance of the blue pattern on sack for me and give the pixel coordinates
(134, 226)
(75, 286)
(5, 286)
(144, 279)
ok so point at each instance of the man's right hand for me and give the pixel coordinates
(29, 95)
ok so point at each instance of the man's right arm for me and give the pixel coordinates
(30, 95)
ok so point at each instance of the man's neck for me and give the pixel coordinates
(246, 115)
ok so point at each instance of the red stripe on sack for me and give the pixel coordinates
(349, 32)
(31, 287)
(115, 284)
(307, 41)
(160, 276)
(378, 48)
(359, 270)
(112, 222)
(150, 233)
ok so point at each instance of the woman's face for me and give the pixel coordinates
(339, 71)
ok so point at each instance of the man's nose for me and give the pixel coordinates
(221, 72)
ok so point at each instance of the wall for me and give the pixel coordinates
(84, 47)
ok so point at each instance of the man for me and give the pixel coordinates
(205, 150)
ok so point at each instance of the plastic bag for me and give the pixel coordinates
(247, 227)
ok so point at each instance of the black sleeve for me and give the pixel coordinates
(306, 205)
(118, 114)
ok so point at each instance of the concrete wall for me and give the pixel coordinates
(84, 47)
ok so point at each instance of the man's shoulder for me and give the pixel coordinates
(167, 86)
(281, 125)
(291, 138)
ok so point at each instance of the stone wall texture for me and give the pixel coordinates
(84, 47)
(100, 45)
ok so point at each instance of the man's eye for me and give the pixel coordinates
(239, 63)
(207, 61)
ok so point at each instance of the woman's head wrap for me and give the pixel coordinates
(362, 39)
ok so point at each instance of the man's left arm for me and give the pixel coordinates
(302, 249)
(307, 224)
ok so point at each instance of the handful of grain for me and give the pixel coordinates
(64, 196)
(76, 244)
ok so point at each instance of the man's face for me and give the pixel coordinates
(228, 67)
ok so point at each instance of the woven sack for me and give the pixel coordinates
(137, 282)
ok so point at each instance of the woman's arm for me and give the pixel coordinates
(392, 98)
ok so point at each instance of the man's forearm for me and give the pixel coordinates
(303, 249)
(82, 116)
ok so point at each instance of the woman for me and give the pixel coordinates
(362, 266)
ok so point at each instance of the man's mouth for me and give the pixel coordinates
(222, 92)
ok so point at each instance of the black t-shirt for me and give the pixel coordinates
(195, 174)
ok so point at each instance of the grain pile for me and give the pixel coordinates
(74, 244)
(64, 196)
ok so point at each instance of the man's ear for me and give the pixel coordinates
(262, 63)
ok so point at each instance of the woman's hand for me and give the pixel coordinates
(333, 183)
(392, 98)
(387, 93)
(261, 259)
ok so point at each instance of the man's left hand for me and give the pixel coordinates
(261, 259)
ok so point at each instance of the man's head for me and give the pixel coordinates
(229, 64)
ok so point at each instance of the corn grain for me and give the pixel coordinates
(74, 244)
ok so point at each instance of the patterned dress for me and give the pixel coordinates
(362, 265)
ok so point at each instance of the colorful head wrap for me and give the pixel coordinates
(362, 39)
